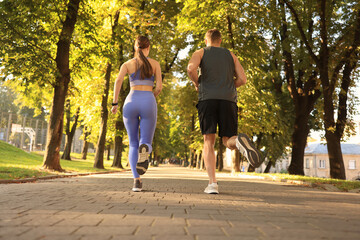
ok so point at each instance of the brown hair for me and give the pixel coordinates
(213, 35)
(146, 70)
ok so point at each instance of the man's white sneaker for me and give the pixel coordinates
(212, 189)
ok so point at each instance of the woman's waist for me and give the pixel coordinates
(142, 88)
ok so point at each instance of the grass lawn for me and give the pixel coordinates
(17, 164)
(344, 185)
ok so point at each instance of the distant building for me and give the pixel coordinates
(316, 161)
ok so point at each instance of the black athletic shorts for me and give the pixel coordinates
(214, 112)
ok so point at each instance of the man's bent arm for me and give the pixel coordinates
(193, 65)
(240, 77)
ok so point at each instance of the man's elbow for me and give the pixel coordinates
(244, 80)
(240, 82)
(189, 70)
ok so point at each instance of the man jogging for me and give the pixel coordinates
(220, 74)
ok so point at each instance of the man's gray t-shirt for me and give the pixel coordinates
(216, 80)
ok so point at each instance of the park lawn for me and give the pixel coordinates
(344, 185)
(17, 164)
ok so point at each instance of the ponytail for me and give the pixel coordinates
(145, 68)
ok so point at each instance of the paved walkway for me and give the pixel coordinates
(173, 206)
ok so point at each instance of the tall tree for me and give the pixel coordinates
(30, 37)
(335, 50)
(54, 133)
(100, 147)
(303, 85)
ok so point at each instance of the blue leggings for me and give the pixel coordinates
(139, 109)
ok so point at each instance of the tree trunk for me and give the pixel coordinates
(192, 157)
(119, 125)
(220, 154)
(198, 160)
(67, 110)
(100, 148)
(86, 144)
(84, 150)
(108, 152)
(298, 140)
(268, 166)
(193, 161)
(192, 151)
(337, 168)
(202, 164)
(184, 163)
(230, 32)
(55, 127)
(251, 168)
(236, 161)
(70, 136)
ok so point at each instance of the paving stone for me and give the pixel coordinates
(206, 230)
(106, 230)
(50, 230)
(13, 230)
(133, 237)
(96, 237)
(159, 230)
(127, 220)
(173, 237)
(240, 237)
(207, 222)
(165, 222)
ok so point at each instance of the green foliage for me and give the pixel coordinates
(27, 48)
(7, 99)
(30, 30)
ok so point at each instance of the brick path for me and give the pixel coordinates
(174, 207)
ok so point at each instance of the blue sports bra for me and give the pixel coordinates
(135, 79)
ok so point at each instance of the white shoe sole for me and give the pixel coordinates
(143, 156)
(249, 151)
(211, 192)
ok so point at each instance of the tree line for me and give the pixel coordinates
(301, 59)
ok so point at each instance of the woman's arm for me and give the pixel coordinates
(117, 86)
(158, 78)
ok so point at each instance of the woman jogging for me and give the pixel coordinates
(140, 109)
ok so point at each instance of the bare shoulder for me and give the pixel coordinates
(153, 62)
(199, 52)
(129, 62)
